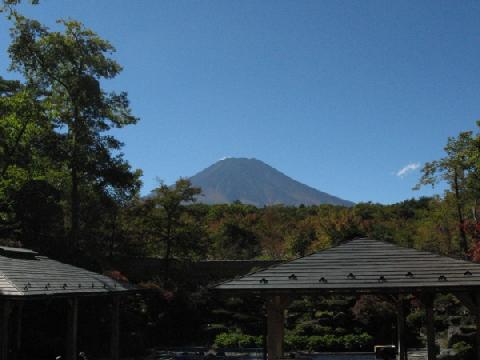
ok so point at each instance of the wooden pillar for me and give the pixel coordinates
(5, 315)
(430, 327)
(402, 346)
(275, 326)
(476, 313)
(18, 329)
(265, 335)
(115, 335)
(72, 329)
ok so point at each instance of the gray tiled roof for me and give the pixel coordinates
(362, 265)
(24, 273)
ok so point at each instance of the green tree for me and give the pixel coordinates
(67, 67)
(235, 242)
(40, 215)
(26, 138)
(301, 239)
(169, 207)
(460, 170)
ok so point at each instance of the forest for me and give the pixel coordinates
(67, 191)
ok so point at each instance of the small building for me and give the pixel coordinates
(27, 276)
(363, 266)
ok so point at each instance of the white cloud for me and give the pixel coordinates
(225, 158)
(407, 169)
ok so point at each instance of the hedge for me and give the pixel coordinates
(236, 340)
(349, 342)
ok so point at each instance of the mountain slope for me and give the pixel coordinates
(253, 182)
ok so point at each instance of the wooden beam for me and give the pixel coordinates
(428, 301)
(402, 346)
(4, 327)
(115, 335)
(72, 329)
(276, 306)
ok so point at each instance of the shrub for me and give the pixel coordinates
(363, 340)
(296, 342)
(463, 350)
(315, 343)
(350, 341)
(226, 340)
(312, 328)
(236, 339)
(249, 341)
(293, 342)
(324, 343)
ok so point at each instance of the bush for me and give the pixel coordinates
(226, 340)
(312, 328)
(249, 341)
(293, 342)
(463, 350)
(363, 341)
(349, 342)
(236, 339)
(325, 343)
(296, 342)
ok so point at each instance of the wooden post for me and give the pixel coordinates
(477, 322)
(430, 327)
(5, 315)
(18, 329)
(115, 335)
(402, 346)
(265, 335)
(275, 326)
(72, 329)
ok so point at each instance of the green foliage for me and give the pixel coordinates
(296, 342)
(463, 350)
(329, 342)
(416, 318)
(67, 69)
(169, 220)
(309, 328)
(235, 242)
(460, 169)
(236, 339)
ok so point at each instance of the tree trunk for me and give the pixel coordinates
(75, 208)
(461, 219)
(113, 234)
(10, 152)
(75, 199)
(168, 251)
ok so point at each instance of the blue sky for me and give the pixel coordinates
(340, 95)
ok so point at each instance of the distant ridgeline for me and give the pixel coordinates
(251, 181)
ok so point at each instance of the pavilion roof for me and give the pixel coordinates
(361, 265)
(24, 273)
